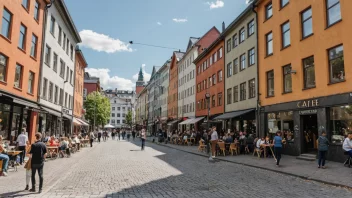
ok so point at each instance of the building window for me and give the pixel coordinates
(118, 121)
(62, 68)
(215, 57)
(285, 31)
(333, 11)
(124, 121)
(234, 41)
(307, 23)
(59, 40)
(268, 11)
(71, 77)
(6, 23)
(219, 99)
(287, 79)
(45, 86)
(251, 57)
(112, 115)
(47, 55)
(270, 83)
(25, 4)
(3, 67)
(56, 95)
(309, 72)
(229, 69)
(243, 91)
(214, 79)
(210, 82)
(251, 87)
(22, 39)
(243, 62)
(213, 101)
(250, 28)
(283, 3)
(18, 76)
(229, 96)
(242, 33)
(36, 10)
(71, 52)
(220, 53)
(228, 46)
(67, 73)
(55, 62)
(336, 64)
(61, 97)
(269, 44)
(34, 46)
(235, 66)
(340, 123)
(220, 76)
(235, 93)
(30, 82)
(52, 25)
(67, 47)
(118, 115)
(66, 101)
(51, 91)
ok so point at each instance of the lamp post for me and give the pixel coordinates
(207, 96)
(62, 112)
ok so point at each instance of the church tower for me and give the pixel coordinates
(140, 82)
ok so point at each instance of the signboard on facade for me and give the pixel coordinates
(308, 112)
(308, 103)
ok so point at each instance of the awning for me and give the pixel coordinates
(195, 120)
(172, 122)
(82, 122)
(227, 116)
(76, 122)
(25, 103)
(67, 116)
(55, 113)
(185, 122)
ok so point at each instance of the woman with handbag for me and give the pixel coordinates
(28, 168)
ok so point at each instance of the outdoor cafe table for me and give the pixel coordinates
(53, 150)
(265, 146)
(13, 157)
(85, 142)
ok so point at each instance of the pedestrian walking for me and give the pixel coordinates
(133, 134)
(22, 141)
(38, 154)
(99, 136)
(28, 167)
(118, 135)
(91, 137)
(214, 140)
(278, 147)
(323, 146)
(128, 135)
(123, 134)
(143, 137)
(113, 134)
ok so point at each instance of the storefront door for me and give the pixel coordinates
(309, 133)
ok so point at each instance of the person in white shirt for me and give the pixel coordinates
(22, 141)
(214, 140)
(347, 144)
(260, 142)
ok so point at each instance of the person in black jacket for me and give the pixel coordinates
(37, 155)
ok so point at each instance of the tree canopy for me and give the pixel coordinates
(98, 105)
(129, 119)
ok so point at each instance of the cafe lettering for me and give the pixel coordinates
(308, 103)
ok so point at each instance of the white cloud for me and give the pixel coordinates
(102, 42)
(145, 75)
(158, 23)
(216, 4)
(110, 82)
(248, 1)
(180, 20)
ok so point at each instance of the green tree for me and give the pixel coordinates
(129, 119)
(97, 108)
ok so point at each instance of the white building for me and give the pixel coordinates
(121, 102)
(57, 70)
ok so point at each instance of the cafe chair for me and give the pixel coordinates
(222, 147)
(201, 146)
(258, 151)
(233, 148)
(348, 161)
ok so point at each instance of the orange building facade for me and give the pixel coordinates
(305, 72)
(21, 30)
(210, 80)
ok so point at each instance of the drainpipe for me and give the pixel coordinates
(254, 6)
(42, 49)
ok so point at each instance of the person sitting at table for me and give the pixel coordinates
(260, 142)
(52, 141)
(63, 146)
(5, 158)
(229, 139)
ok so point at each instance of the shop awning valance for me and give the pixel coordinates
(52, 112)
(227, 116)
(76, 122)
(25, 103)
(172, 122)
(185, 122)
(67, 116)
(195, 120)
(83, 122)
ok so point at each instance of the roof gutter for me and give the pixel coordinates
(254, 6)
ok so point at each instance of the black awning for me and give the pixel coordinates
(234, 114)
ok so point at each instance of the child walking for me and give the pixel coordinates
(28, 168)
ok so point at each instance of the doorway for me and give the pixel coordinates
(309, 133)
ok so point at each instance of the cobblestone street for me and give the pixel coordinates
(120, 169)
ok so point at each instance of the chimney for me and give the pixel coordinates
(223, 26)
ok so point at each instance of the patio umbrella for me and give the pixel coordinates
(109, 126)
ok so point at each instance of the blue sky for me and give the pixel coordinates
(106, 26)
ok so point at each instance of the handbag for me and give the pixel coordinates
(28, 164)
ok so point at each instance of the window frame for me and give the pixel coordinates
(34, 46)
(229, 69)
(242, 32)
(52, 25)
(24, 39)
(250, 26)
(330, 68)
(304, 72)
(327, 13)
(283, 33)
(20, 77)
(251, 89)
(50, 95)
(284, 75)
(303, 21)
(55, 63)
(234, 41)
(267, 83)
(229, 96)
(266, 17)
(32, 82)
(243, 61)
(36, 12)
(26, 7)
(219, 99)
(9, 32)
(268, 41)
(235, 66)
(228, 43)
(284, 5)
(235, 94)
(47, 55)
(251, 55)
(45, 87)
(243, 91)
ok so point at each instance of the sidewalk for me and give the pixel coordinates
(335, 174)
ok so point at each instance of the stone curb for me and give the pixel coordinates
(259, 167)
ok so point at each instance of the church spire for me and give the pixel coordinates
(140, 75)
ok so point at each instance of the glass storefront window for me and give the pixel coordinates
(16, 120)
(281, 121)
(340, 123)
(4, 120)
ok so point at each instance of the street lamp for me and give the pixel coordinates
(207, 96)
(62, 112)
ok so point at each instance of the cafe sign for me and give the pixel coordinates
(66, 111)
(308, 103)
(308, 112)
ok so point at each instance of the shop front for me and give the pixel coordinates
(67, 118)
(243, 120)
(49, 122)
(17, 114)
(191, 124)
(303, 121)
